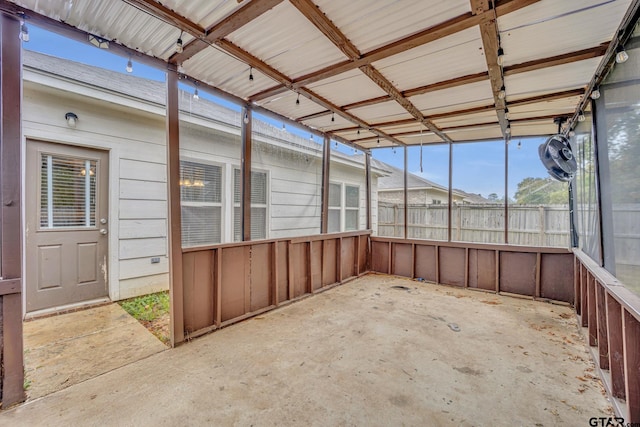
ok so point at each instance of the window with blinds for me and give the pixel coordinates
(335, 206)
(201, 203)
(352, 207)
(258, 206)
(67, 192)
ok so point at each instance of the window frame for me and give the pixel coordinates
(266, 206)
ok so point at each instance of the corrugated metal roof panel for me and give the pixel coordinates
(114, 21)
(436, 61)
(467, 119)
(203, 12)
(553, 79)
(285, 104)
(552, 27)
(456, 98)
(360, 20)
(347, 88)
(427, 138)
(324, 123)
(559, 106)
(284, 39)
(541, 128)
(382, 112)
(225, 72)
(415, 126)
(353, 134)
(471, 134)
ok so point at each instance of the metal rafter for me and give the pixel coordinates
(420, 38)
(247, 13)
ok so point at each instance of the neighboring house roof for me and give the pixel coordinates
(154, 92)
(395, 181)
(473, 198)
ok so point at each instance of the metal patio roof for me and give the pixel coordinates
(372, 72)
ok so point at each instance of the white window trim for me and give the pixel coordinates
(267, 205)
(346, 208)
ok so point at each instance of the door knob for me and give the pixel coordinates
(103, 231)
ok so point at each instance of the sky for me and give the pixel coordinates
(477, 167)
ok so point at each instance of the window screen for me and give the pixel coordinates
(335, 204)
(352, 207)
(258, 205)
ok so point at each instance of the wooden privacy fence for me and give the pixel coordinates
(528, 225)
(226, 283)
(542, 273)
(611, 314)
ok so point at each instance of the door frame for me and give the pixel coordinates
(77, 139)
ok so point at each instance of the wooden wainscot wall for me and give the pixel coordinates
(227, 283)
(610, 314)
(538, 272)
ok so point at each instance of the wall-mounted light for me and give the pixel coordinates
(621, 55)
(98, 42)
(72, 119)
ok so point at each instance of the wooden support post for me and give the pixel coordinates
(11, 346)
(245, 173)
(326, 171)
(450, 194)
(174, 214)
(367, 171)
(406, 193)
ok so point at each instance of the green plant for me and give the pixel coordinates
(147, 307)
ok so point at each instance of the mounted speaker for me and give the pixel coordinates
(557, 157)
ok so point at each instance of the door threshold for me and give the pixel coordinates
(54, 311)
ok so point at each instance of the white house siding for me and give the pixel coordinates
(133, 132)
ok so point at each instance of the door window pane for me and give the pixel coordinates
(67, 192)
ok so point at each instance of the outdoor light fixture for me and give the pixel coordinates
(129, 66)
(621, 55)
(595, 94)
(195, 94)
(310, 137)
(251, 74)
(298, 101)
(24, 32)
(502, 94)
(333, 117)
(179, 47)
(506, 113)
(507, 131)
(519, 145)
(284, 127)
(358, 131)
(581, 117)
(572, 133)
(500, 56)
(378, 141)
(246, 118)
(71, 119)
(98, 42)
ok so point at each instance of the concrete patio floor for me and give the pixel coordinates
(364, 353)
(69, 348)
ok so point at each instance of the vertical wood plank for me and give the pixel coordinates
(603, 341)
(247, 278)
(367, 171)
(584, 319)
(576, 285)
(356, 256)
(592, 322)
(406, 193)
(218, 287)
(497, 255)
(616, 350)
(338, 255)
(275, 279)
(309, 283)
(466, 267)
(413, 261)
(538, 275)
(390, 258)
(437, 253)
(631, 336)
(174, 215)
(290, 266)
(13, 365)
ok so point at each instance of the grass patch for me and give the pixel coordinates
(152, 311)
(147, 307)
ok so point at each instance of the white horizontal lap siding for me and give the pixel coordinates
(353, 175)
(295, 190)
(135, 137)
